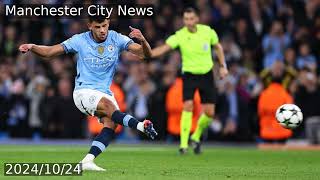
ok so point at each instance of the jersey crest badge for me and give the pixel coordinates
(110, 48)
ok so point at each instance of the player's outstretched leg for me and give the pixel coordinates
(107, 108)
(99, 144)
(129, 121)
(203, 123)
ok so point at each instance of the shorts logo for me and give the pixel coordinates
(92, 99)
(110, 48)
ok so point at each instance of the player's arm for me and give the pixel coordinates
(143, 50)
(160, 50)
(223, 71)
(171, 43)
(45, 52)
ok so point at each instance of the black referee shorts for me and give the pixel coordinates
(204, 83)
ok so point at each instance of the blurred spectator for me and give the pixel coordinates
(5, 85)
(278, 73)
(274, 44)
(205, 16)
(290, 58)
(68, 119)
(35, 92)
(5, 80)
(231, 50)
(47, 34)
(141, 87)
(307, 98)
(224, 21)
(74, 27)
(301, 35)
(313, 129)
(316, 37)
(257, 18)
(9, 45)
(230, 123)
(243, 35)
(157, 102)
(18, 110)
(305, 58)
(47, 114)
(246, 94)
(248, 60)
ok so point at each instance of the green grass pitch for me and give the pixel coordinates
(152, 162)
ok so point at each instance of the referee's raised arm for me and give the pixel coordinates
(160, 50)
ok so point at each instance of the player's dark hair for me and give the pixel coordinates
(96, 18)
(190, 10)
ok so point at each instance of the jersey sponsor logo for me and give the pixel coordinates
(100, 49)
(95, 62)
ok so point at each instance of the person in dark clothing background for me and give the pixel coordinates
(307, 98)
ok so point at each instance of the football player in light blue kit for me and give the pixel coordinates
(98, 52)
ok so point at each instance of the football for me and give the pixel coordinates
(289, 116)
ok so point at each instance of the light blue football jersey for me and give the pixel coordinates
(96, 62)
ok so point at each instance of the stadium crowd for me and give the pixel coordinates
(264, 41)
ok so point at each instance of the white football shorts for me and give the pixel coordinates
(87, 100)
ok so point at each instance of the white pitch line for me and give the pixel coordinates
(80, 149)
